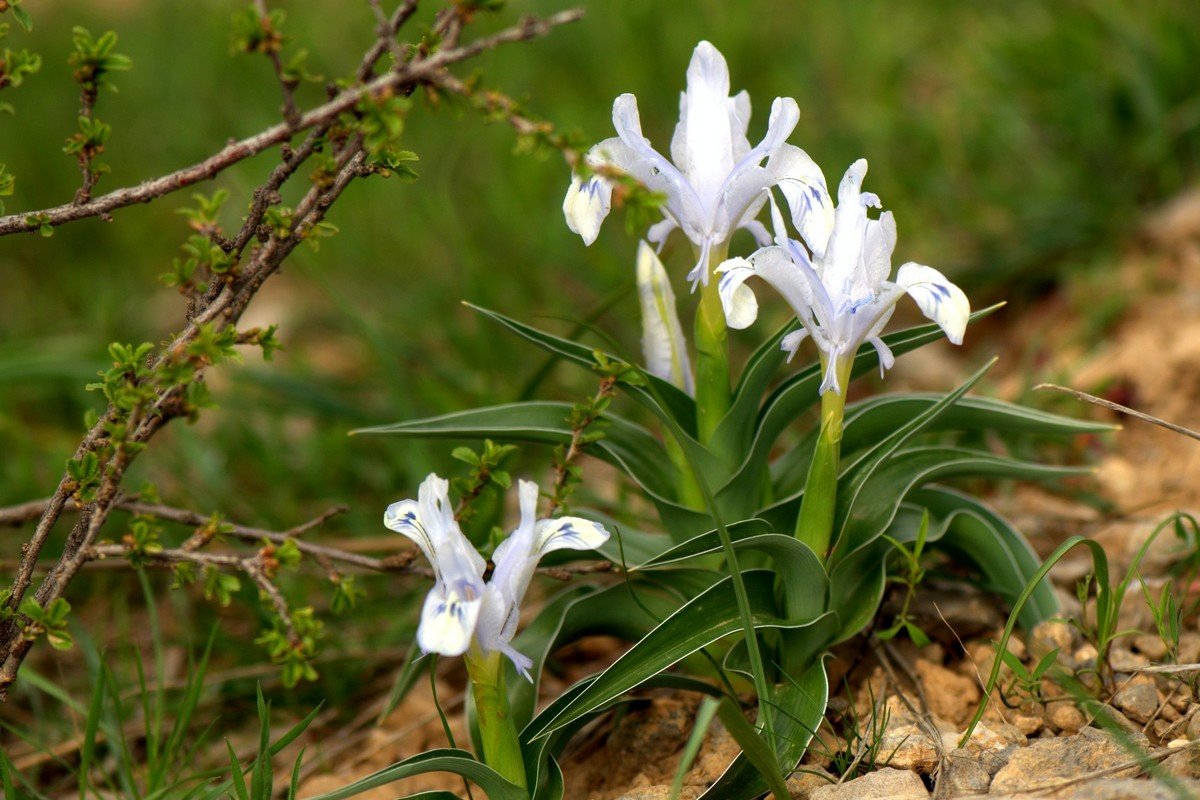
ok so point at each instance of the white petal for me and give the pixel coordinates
(636, 157)
(842, 275)
(569, 533)
(762, 236)
(937, 297)
(403, 517)
(429, 522)
(448, 620)
(886, 358)
(516, 557)
(738, 301)
(586, 205)
(663, 344)
(709, 121)
(658, 232)
(747, 181)
(878, 243)
(791, 343)
(803, 184)
(495, 616)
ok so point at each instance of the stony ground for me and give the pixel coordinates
(898, 715)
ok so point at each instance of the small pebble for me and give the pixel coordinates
(1065, 717)
(1151, 646)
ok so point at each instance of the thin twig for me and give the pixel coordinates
(413, 72)
(1110, 405)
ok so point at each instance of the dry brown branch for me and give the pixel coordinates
(222, 305)
(1111, 406)
(412, 73)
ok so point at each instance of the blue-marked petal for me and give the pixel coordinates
(938, 298)
(569, 533)
(448, 619)
(663, 345)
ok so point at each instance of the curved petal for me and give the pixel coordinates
(402, 517)
(791, 343)
(844, 251)
(790, 273)
(737, 300)
(938, 298)
(586, 205)
(747, 180)
(803, 185)
(658, 232)
(879, 241)
(569, 533)
(448, 620)
(429, 523)
(762, 236)
(886, 358)
(663, 344)
(648, 166)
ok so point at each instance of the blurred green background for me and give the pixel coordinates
(1018, 143)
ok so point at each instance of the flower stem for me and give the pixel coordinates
(501, 747)
(712, 355)
(814, 525)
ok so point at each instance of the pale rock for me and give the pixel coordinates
(1138, 701)
(1151, 646)
(1051, 635)
(1193, 725)
(1125, 789)
(1065, 717)
(802, 784)
(962, 774)
(1123, 660)
(884, 784)
(907, 747)
(1085, 655)
(1048, 760)
(951, 696)
(1189, 647)
(1027, 723)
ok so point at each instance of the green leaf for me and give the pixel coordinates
(793, 397)
(800, 707)
(872, 420)
(705, 619)
(975, 533)
(627, 610)
(678, 405)
(626, 445)
(447, 759)
(22, 17)
(735, 431)
(756, 751)
(875, 506)
(853, 480)
(800, 571)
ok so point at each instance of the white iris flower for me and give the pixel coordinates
(717, 181)
(462, 611)
(841, 293)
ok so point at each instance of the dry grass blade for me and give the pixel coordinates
(1110, 405)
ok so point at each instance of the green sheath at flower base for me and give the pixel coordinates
(497, 733)
(712, 357)
(814, 525)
